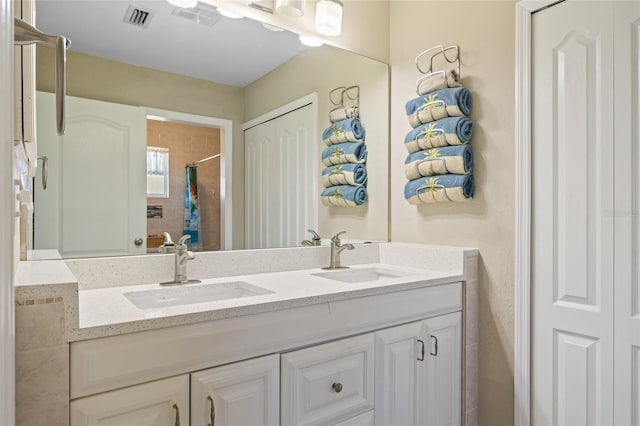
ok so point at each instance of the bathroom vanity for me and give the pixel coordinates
(389, 341)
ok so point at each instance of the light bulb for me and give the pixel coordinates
(329, 17)
(293, 8)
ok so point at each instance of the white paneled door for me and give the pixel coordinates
(585, 214)
(281, 191)
(95, 201)
(627, 196)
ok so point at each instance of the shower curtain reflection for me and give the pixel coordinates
(191, 211)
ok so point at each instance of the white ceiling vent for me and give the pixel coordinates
(138, 17)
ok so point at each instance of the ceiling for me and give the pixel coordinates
(202, 45)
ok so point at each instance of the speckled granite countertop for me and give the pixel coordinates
(104, 310)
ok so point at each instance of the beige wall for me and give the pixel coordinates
(311, 73)
(485, 32)
(111, 81)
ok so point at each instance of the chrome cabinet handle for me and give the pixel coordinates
(175, 407)
(435, 345)
(26, 34)
(45, 170)
(337, 387)
(212, 413)
(421, 350)
(138, 241)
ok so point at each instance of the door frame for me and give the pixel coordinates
(523, 231)
(226, 162)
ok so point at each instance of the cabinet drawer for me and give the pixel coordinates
(365, 419)
(327, 383)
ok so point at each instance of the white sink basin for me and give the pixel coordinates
(361, 275)
(188, 294)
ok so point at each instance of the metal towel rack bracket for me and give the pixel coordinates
(26, 34)
(450, 54)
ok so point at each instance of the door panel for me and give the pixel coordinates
(160, 403)
(95, 201)
(627, 236)
(243, 393)
(396, 378)
(573, 204)
(281, 168)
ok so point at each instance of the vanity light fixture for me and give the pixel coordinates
(310, 41)
(185, 4)
(293, 8)
(329, 17)
(229, 14)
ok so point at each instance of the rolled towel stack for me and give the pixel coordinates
(444, 132)
(434, 189)
(439, 166)
(437, 80)
(345, 175)
(343, 113)
(453, 102)
(349, 130)
(439, 161)
(344, 195)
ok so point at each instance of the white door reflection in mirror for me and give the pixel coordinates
(281, 169)
(95, 200)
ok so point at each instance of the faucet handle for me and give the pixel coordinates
(183, 240)
(314, 233)
(336, 238)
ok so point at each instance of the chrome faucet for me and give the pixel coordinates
(315, 241)
(182, 257)
(168, 246)
(336, 249)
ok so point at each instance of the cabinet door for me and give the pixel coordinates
(441, 371)
(329, 383)
(159, 403)
(243, 393)
(398, 351)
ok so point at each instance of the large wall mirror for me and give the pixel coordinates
(153, 89)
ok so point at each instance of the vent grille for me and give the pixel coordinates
(138, 17)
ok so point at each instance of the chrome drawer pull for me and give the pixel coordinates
(421, 351)
(175, 407)
(212, 414)
(337, 387)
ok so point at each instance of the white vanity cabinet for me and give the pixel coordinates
(418, 372)
(388, 359)
(160, 403)
(242, 393)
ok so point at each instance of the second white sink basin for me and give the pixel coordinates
(361, 275)
(188, 294)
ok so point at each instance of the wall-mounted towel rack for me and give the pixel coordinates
(351, 93)
(438, 58)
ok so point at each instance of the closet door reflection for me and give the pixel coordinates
(281, 195)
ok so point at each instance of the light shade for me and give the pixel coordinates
(329, 17)
(185, 4)
(310, 41)
(293, 8)
(229, 14)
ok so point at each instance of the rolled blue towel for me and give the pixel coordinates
(343, 153)
(344, 174)
(439, 161)
(447, 131)
(439, 188)
(350, 130)
(453, 102)
(344, 195)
